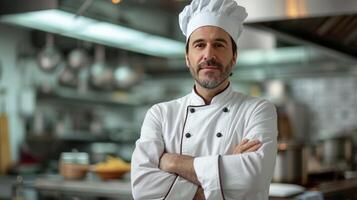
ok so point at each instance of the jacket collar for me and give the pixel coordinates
(223, 96)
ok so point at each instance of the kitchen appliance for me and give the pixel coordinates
(290, 166)
(336, 152)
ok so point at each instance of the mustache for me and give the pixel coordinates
(210, 62)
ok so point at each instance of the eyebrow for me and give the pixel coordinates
(197, 41)
(221, 40)
(216, 40)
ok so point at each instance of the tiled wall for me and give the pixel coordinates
(331, 104)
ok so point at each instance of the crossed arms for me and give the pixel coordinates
(182, 165)
(159, 175)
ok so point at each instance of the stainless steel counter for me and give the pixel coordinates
(59, 188)
(114, 189)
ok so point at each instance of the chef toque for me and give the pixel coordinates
(226, 14)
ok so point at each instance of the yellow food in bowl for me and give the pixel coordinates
(112, 168)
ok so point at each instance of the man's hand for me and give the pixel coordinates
(179, 164)
(182, 165)
(200, 195)
(167, 162)
(247, 146)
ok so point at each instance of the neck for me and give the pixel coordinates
(208, 94)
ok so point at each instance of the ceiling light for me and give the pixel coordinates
(116, 1)
(279, 55)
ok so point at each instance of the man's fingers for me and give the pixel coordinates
(246, 145)
(238, 148)
(244, 141)
(254, 148)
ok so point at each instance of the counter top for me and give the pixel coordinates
(95, 188)
(121, 189)
(88, 187)
(331, 189)
(340, 189)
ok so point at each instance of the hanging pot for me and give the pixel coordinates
(49, 57)
(125, 75)
(68, 77)
(101, 75)
(78, 58)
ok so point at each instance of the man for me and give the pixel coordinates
(213, 143)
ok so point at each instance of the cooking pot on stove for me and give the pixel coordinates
(336, 152)
(290, 166)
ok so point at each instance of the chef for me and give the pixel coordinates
(214, 143)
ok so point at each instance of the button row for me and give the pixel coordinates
(188, 135)
(225, 109)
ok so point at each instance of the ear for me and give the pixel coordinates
(187, 61)
(234, 59)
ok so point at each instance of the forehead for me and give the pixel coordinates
(209, 33)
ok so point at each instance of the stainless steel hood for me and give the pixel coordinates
(274, 10)
(328, 24)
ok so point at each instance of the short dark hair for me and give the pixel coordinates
(234, 45)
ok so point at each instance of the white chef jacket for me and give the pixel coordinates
(209, 133)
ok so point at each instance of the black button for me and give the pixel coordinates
(225, 109)
(192, 110)
(188, 135)
(219, 135)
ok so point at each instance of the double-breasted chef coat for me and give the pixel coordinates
(209, 133)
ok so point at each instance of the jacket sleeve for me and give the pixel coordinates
(235, 176)
(147, 180)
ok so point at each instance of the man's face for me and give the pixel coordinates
(210, 57)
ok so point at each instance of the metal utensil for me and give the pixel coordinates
(100, 75)
(49, 57)
(290, 166)
(336, 152)
(68, 77)
(78, 58)
(125, 75)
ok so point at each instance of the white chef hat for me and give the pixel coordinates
(226, 14)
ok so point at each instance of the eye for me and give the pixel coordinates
(199, 45)
(219, 45)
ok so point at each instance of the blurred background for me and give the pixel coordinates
(77, 77)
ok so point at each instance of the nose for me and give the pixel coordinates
(209, 53)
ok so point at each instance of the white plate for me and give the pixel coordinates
(284, 189)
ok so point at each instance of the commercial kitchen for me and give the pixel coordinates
(77, 77)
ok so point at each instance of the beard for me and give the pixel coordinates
(213, 80)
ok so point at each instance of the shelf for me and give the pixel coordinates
(94, 98)
(81, 136)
